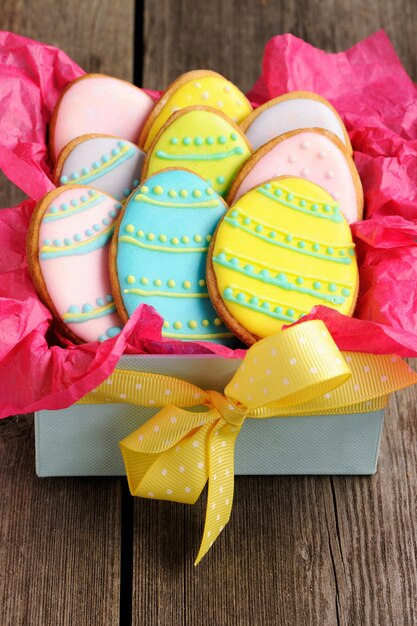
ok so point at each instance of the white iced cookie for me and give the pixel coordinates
(110, 164)
(292, 111)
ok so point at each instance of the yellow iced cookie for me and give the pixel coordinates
(202, 140)
(283, 248)
(195, 88)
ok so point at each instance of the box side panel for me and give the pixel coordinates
(83, 440)
(321, 444)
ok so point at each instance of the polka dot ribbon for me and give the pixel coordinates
(299, 371)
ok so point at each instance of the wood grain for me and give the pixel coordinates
(60, 542)
(298, 550)
(10, 195)
(99, 39)
(229, 35)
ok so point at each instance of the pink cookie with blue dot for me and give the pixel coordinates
(110, 164)
(68, 250)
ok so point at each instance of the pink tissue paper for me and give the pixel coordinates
(378, 103)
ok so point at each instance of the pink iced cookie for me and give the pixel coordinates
(68, 249)
(96, 103)
(314, 154)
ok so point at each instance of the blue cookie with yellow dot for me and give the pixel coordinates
(160, 252)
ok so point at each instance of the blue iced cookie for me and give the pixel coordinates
(159, 254)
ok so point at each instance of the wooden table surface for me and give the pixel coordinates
(324, 551)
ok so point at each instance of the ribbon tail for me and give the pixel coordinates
(220, 454)
(145, 389)
(137, 464)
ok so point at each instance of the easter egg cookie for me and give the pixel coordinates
(202, 140)
(68, 247)
(194, 88)
(95, 103)
(314, 154)
(283, 248)
(110, 164)
(158, 254)
(294, 110)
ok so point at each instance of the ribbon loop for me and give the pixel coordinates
(168, 427)
(289, 368)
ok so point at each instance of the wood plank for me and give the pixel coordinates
(60, 543)
(229, 37)
(97, 36)
(299, 550)
(98, 39)
(377, 535)
(10, 195)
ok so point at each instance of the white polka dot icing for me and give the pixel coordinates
(109, 164)
(293, 111)
(102, 104)
(202, 140)
(196, 88)
(315, 155)
(162, 246)
(75, 228)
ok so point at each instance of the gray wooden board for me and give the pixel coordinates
(60, 544)
(60, 541)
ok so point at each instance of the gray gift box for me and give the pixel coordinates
(83, 439)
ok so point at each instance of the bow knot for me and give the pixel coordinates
(229, 411)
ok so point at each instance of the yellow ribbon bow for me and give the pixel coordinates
(298, 371)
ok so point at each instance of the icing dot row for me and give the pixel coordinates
(65, 206)
(110, 332)
(279, 236)
(205, 323)
(302, 203)
(226, 89)
(88, 308)
(89, 232)
(130, 229)
(157, 282)
(158, 190)
(332, 212)
(263, 306)
(128, 190)
(95, 165)
(305, 172)
(282, 280)
(199, 141)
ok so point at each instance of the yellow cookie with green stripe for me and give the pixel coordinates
(283, 248)
(202, 140)
(199, 87)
